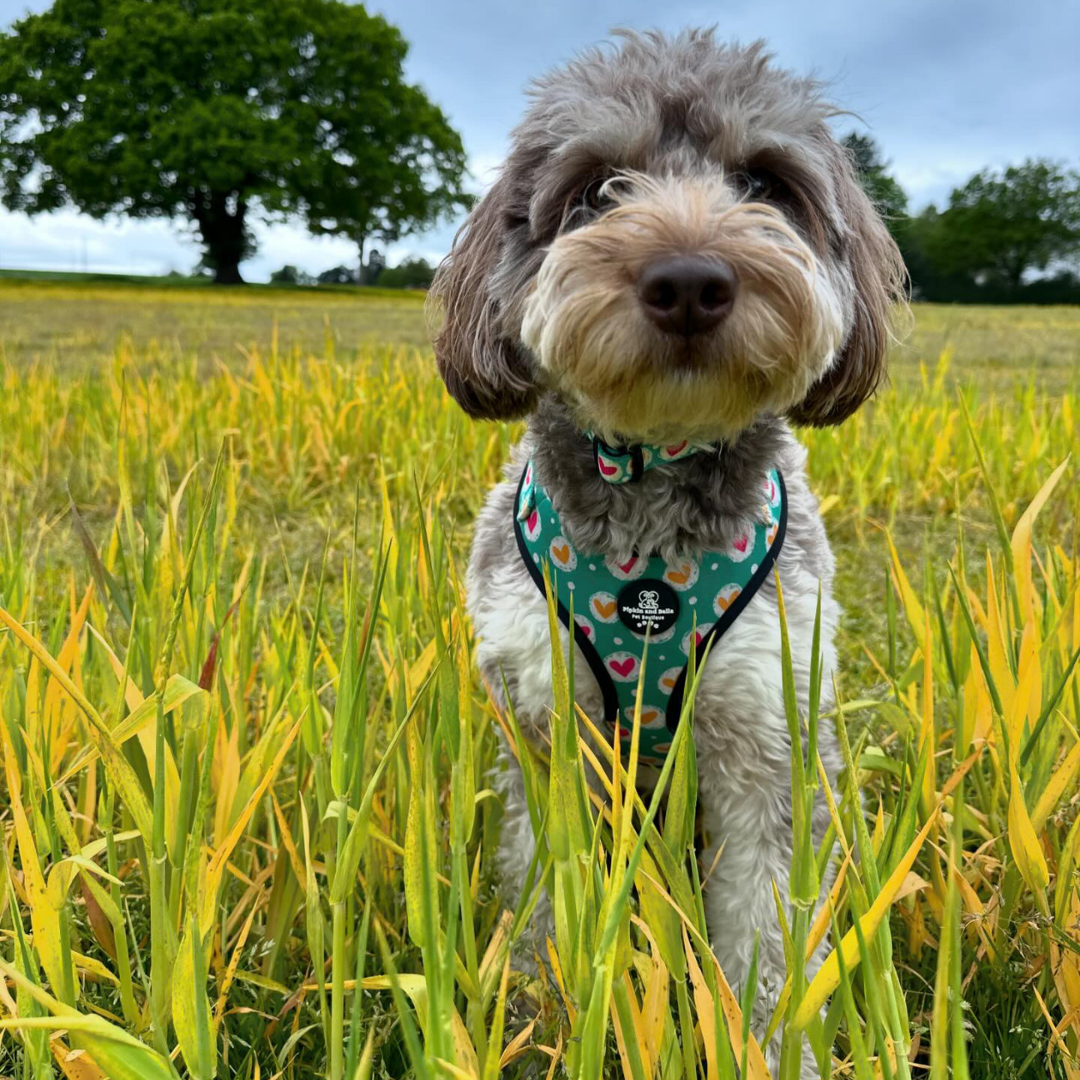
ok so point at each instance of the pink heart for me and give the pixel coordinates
(586, 630)
(534, 517)
(626, 567)
(607, 470)
(741, 543)
(698, 637)
(622, 667)
(673, 450)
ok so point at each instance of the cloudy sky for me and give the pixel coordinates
(945, 86)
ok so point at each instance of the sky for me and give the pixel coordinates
(945, 87)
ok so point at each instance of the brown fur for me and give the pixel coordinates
(482, 366)
(538, 292)
(878, 273)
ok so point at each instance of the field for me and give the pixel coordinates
(247, 760)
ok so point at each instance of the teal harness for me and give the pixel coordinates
(680, 605)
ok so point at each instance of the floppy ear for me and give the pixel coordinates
(878, 275)
(485, 371)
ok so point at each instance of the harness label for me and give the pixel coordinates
(648, 605)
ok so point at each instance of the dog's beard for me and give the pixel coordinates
(625, 378)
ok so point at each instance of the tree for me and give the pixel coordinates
(1000, 226)
(212, 110)
(337, 275)
(885, 192)
(408, 274)
(290, 275)
(371, 271)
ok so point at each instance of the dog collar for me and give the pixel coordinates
(627, 464)
(611, 605)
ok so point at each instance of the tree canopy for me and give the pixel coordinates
(1001, 225)
(212, 110)
(1006, 235)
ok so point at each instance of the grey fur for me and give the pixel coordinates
(660, 105)
(671, 106)
(682, 509)
(693, 505)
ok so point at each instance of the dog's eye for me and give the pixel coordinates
(761, 185)
(595, 197)
(585, 203)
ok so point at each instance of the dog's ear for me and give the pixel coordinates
(878, 276)
(485, 371)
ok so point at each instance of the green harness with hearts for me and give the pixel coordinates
(680, 605)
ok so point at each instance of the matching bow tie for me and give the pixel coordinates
(627, 464)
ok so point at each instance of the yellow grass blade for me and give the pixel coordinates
(1023, 840)
(828, 976)
(415, 987)
(75, 1064)
(191, 1007)
(217, 863)
(912, 607)
(1021, 541)
(1061, 781)
(118, 766)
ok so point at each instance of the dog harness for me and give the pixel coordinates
(680, 605)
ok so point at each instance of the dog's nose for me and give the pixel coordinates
(687, 294)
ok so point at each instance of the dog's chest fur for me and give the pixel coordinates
(680, 510)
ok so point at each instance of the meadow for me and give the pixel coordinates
(247, 815)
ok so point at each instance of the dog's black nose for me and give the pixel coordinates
(687, 294)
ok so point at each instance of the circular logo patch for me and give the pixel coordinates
(648, 605)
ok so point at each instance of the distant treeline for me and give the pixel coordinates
(410, 273)
(1006, 237)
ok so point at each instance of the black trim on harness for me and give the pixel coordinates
(716, 631)
(723, 624)
(592, 657)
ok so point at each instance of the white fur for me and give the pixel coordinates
(742, 747)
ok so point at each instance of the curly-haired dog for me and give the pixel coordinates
(675, 261)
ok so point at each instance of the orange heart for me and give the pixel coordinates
(669, 683)
(677, 578)
(562, 553)
(605, 611)
(726, 601)
(649, 715)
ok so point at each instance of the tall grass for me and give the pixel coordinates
(248, 817)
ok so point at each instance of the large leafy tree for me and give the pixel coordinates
(1001, 225)
(212, 110)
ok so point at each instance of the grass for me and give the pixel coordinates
(77, 327)
(247, 765)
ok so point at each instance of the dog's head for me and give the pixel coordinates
(676, 245)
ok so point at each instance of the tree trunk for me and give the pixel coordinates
(223, 234)
(228, 273)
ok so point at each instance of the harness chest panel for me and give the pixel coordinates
(616, 604)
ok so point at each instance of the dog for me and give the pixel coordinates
(675, 264)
